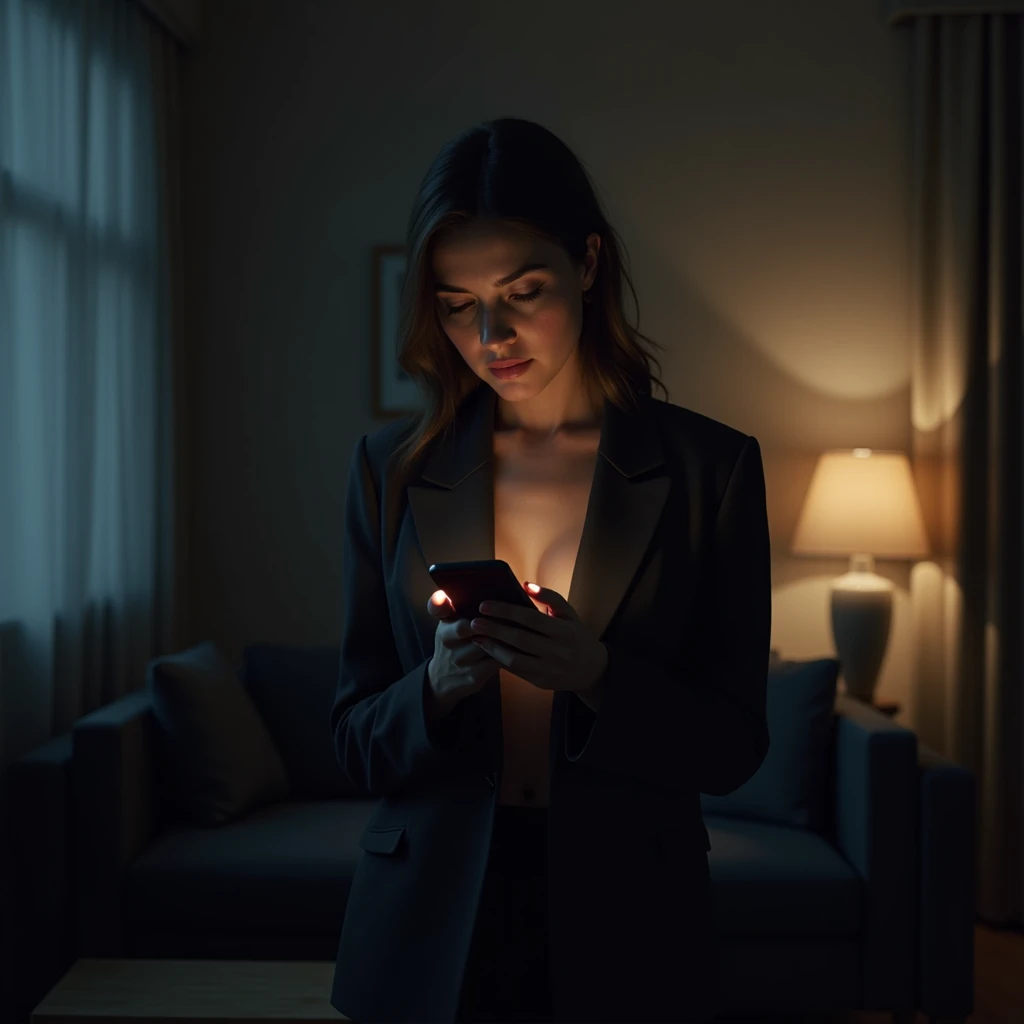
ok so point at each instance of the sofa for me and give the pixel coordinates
(843, 872)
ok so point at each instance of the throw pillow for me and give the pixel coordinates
(294, 689)
(790, 786)
(217, 759)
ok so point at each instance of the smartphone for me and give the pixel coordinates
(469, 584)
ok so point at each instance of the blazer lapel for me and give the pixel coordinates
(626, 500)
(454, 513)
(452, 507)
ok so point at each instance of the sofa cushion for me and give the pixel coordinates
(790, 787)
(289, 868)
(294, 690)
(776, 881)
(284, 868)
(216, 759)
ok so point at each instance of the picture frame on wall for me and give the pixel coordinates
(394, 391)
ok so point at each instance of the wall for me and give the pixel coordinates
(752, 156)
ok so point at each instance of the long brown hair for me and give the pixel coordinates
(520, 174)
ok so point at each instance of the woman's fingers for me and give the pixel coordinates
(457, 633)
(439, 605)
(470, 654)
(525, 640)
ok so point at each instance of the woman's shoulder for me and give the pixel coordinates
(686, 427)
(383, 442)
(382, 445)
(705, 451)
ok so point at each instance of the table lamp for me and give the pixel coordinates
(861, 503)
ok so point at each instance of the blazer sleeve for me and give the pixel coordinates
(378, 719)
(701, 725)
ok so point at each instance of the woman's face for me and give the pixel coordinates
(536, 317)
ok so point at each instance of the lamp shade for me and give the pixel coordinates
(861, 502)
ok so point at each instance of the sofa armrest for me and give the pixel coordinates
(876, 831)
(115, 813)
(946, 886)
(39, 847)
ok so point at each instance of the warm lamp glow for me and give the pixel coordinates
(862, 502)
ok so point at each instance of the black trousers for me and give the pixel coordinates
(508, 973)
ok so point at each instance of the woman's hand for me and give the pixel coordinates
(553, 650)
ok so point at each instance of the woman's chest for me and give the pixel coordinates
(540, 506)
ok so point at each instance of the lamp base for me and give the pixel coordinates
(861, 620)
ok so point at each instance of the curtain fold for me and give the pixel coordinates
(968, 431)
(902, 10)
(85, 394)
(90, 349)
(173, 443)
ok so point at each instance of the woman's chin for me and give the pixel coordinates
(515, 388)
(515, 391)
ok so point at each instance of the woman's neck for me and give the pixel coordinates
(557, 410)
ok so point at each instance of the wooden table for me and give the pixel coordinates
(155, 991)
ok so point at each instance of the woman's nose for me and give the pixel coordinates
(493, 332)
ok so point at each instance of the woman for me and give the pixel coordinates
(537, 851)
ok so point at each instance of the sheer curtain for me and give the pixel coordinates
(86, 452)
(967, 400)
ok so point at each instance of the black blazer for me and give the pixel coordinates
(673, 574)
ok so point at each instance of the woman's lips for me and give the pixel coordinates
(509, 372)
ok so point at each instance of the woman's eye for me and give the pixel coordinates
(526, 297)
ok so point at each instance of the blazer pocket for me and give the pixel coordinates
(382, 840)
